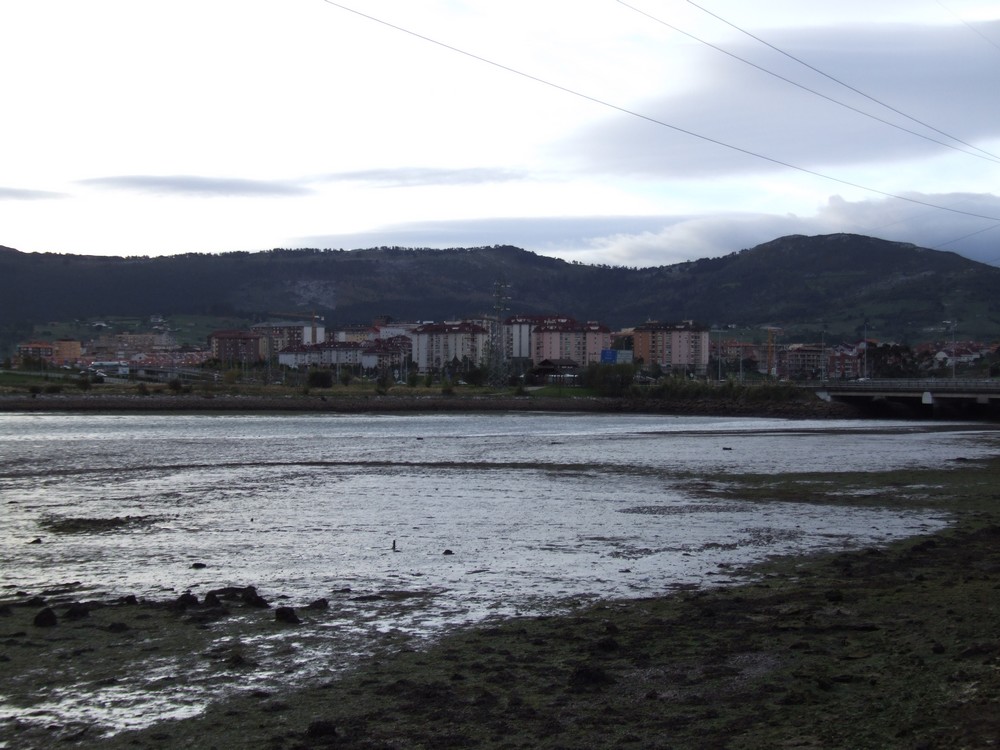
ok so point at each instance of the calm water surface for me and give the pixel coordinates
(536, 509)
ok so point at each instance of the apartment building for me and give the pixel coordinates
(803, 361)
(390, 353)
(282, 334)
(440, 345)
(567, 339)
(324, 354)
(678, 346)
(237, 347)
(36, 350)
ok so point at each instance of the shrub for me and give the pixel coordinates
(319, 379)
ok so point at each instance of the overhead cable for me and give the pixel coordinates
(970, 27)
(986, 156)
(653, 120)
(813, 68)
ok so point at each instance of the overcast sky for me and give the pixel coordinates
(637, 134)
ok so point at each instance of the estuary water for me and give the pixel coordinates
(482, 514)
(537, 505)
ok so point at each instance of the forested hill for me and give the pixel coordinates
(798, 283)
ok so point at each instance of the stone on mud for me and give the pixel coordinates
(46, 618)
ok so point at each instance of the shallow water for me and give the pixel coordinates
(536, 508)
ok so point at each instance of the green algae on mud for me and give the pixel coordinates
(880, 648)
(80, 525)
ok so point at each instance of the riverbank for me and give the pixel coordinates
(878, 648)
(805, 407)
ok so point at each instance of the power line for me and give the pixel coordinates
(995, 160)
(653, 120)
(967, 236)
(838, 81)
(970, 27)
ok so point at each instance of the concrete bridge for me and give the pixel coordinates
(933, 397)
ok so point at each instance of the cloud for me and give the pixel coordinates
(736, 114)
(645, 241)
(21, 194)
(687, 238)
(536, 234)
(424, 176)
(191, 185)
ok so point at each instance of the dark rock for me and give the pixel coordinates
(287, 614)
(118, 627)
(253, 599)
(209, 615)
(199, 565)
(77, 611)
(46, 618)
(834, 595)
(36, 540)
(589, 677)
(130, 599)
(319, 604)
(448, 552)
(212, 599)
(321, 728)
(237, 660)
(185, 600)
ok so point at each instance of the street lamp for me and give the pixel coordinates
(954, 350)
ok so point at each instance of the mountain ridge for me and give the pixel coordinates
(804, 284)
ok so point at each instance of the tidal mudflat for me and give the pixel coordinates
(747, 653)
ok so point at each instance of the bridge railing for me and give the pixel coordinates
(939, 385)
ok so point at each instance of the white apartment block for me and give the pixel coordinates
(439, 345)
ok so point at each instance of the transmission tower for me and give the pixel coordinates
(499, 364)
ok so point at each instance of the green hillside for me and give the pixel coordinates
(801, 284)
